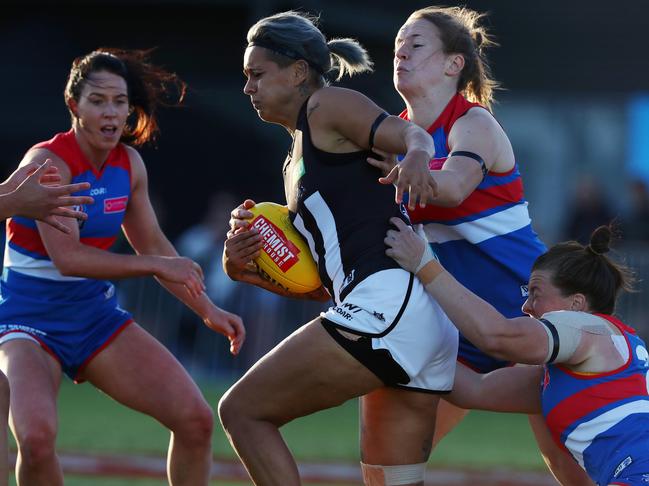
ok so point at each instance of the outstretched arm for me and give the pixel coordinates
(155, 256)
(577, 339)
(522, 339)
(33, 191)
(514, 389)
(147, 239)
(349, 115)
(477, 144)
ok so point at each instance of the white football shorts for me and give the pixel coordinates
(399, 332)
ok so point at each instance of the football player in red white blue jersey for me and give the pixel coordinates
(58, 311)
(592, 389)
(478, 222)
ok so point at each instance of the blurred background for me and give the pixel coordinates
(575, 104)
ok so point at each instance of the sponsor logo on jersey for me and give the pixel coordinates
(110, 291)
(346, 310)
(622, 466)
(276, 245)
(115, 204)
(98, 191)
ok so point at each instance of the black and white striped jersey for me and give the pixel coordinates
(338, 205)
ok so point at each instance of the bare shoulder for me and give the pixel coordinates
(137, 163)
(335, 99)
(478, 131)
(331, 93)
(134, 156)
(40, 155)
(478, 119)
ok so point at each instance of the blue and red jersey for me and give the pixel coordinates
(487, 242)
(72, 318)
(602, 419)
(110, 187)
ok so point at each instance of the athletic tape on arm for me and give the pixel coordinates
(565, 330)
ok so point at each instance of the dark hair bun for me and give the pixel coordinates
(600, 240)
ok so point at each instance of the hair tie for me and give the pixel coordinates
(595, 252)
(272, 46)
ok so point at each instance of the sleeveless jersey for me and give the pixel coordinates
(487, 242)
(336, 203)
(110, 187)
(602, 419)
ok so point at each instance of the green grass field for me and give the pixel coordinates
(91, 422)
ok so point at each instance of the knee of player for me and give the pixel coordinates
(241, 409)
(228, 409)
(195, 422)
(238, 408)
(37, 444)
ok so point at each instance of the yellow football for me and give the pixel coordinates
(285, 258)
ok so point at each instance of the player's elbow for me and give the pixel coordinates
(449, 199)
(65, 265)
(454, 200)
(230, 271)
(67, 270)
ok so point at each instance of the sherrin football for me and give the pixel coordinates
(285, 258)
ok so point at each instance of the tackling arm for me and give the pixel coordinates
(512, 389)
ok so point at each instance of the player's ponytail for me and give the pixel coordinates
(349, 57)
(292, 36)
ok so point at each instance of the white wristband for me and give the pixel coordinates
(427, 256)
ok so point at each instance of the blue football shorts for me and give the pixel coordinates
(71, 320)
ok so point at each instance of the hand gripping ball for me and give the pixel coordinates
(285, 258)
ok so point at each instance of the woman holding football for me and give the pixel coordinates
(372, 343)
